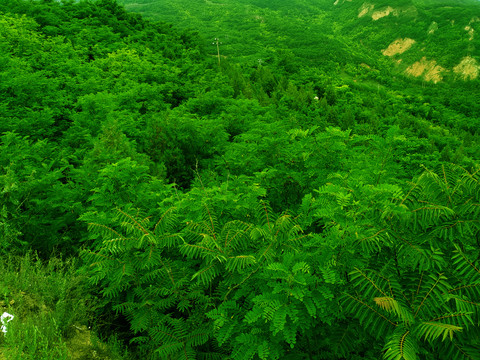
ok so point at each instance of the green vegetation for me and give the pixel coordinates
(291, 195)
(51, 310)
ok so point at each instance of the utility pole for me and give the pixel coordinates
(217, 41)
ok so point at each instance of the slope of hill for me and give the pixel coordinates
(441, 35)
(293, 191)
(432, 40)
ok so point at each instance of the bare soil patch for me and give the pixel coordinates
(432, 28)
(384, 12)
(426, 68)
(365, 9)
(468, 68)
(471, 32)
(399, 46)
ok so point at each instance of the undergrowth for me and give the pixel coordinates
(52, 312)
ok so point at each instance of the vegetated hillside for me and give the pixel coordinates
(252, 31)
(313, 204)
(373, 42)
(431, 40)
(427, 39)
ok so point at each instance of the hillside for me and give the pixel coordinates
(306, 188)
(427, 39)
(431, 40)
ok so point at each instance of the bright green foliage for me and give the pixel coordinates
(449, 206)
(406, 316)
(423, 299)
(287, 195)
(279, 300)
(223, 249)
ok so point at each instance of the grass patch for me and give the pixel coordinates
(52, 312)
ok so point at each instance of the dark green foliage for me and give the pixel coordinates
(163, 294)
(290, 194)
(143, 279)
(34, 200)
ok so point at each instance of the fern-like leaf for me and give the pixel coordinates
(432, 330)
(402, 345)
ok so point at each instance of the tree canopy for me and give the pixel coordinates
(271, 202)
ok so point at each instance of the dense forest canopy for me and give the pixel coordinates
(260, 180)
